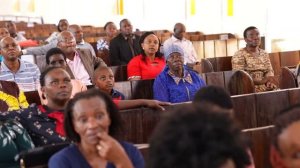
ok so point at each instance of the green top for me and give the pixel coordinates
(13, 140)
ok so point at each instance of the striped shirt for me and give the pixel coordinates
(27, 76)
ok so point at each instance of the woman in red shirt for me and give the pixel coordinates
(148, 64)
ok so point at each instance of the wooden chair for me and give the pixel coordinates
(241, 83)
(287, 79)
(38, 157)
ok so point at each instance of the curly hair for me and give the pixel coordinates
(284, 119)
(197, 138)
(115, 127)
(144, 56)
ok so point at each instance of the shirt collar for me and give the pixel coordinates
(4, 68)
(186, 77)
(75, 55)
(81, 43)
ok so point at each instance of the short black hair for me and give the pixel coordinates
(247, 29)
(123, 20)
(215, 95)
(283, 120)
(54, 51)
(106, 24)
(45, 72)
(115, 127)
(190, 137)
(142, 38)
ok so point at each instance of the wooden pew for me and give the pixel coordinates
(120, 72)
(142, 89)
(241, 83)
(269, 104)
(125, 88)
(289, 58)
(287, 79)
(245, 110)
(260, 147)
(215, 78)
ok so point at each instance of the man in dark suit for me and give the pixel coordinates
(124, 46)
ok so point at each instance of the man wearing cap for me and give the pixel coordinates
(176, 83)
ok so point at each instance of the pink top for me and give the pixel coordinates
(145, 70)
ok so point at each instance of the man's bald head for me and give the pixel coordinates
(66, 42)
(9, 49)
(179, 30)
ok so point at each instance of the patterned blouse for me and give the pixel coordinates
(102, 44)
(41, 128)
(258, 66)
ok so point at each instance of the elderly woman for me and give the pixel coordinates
(255, 61)
(92, 122)
(150, 62)
(176, 83)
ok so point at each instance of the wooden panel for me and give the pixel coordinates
(232, 46)
(245, 110)
(125, 88)
(150, 120)
(33, 97)
(261, 141)
(289, 58)
(240, 83)
(294, 96)
(287, 79)
(223, 64)
(220, 48)
(206, 66)
(142, 89)
(209, 49)
(132, 125)
(269, 104)
(213, 63)
(227, 77)
(198, 45)
(275, 61)
(120, 72)
(215, 78)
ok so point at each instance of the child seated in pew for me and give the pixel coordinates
(104, 80)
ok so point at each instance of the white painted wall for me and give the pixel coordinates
(274, 18)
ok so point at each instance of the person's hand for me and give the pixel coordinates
(156, 104)
(111, 150)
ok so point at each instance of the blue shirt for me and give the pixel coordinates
(71, 157)
(172, 89)
(1, 58)
(116, 95)
(27, 77)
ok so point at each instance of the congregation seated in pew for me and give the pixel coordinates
(55, 57)
(255, 61)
